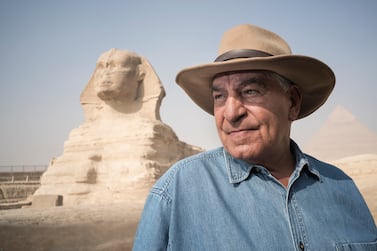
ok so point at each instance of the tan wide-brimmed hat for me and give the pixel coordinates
(248, 47)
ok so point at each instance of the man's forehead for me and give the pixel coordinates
(239, 76)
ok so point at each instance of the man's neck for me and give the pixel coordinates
(282, 166)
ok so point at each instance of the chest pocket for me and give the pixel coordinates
(370, 246)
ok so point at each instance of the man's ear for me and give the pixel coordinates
(296, 98)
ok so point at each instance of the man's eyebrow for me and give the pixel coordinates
(251, 80)
(214, 89)
(245, 82)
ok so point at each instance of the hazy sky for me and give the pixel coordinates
(49, 49)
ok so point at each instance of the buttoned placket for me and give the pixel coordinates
(294, 215)
(296, 221)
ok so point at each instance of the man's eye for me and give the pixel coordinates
(251, 92)
(219, 99)
(218, 96)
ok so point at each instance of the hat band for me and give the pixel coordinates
(241, 53)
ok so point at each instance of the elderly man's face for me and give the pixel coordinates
(116, 76)
(253, 114)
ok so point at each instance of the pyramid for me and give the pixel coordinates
(342, 135)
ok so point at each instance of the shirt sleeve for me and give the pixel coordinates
(153, 228)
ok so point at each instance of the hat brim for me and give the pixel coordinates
(314, 79)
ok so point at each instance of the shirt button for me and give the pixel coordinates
(301, 246)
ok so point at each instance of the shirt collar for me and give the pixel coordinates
(238, 170)
(302, 162)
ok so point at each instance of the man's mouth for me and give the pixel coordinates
(240, 131)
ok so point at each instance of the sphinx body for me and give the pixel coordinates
(122, 147)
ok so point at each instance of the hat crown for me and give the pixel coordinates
(252, 37)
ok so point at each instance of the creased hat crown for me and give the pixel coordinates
(248, 36)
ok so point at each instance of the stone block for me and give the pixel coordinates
(47, 200)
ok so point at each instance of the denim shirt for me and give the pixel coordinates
(212, 201)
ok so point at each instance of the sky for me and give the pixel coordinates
(49, 50)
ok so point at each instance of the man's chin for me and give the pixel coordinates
(242, 152)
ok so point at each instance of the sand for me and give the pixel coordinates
(113, 226)
(94, 227)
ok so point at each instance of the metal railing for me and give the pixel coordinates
(22, 168)
(21, 174)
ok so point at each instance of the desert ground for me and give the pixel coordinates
(84, 227)
(112, 226)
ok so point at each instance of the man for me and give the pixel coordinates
(258, 191)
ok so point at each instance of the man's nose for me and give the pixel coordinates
(234, 109)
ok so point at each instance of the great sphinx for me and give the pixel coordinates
(122, 146)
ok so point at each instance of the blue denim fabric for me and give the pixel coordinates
(213, 201)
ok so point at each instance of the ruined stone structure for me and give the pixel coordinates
(122, 147)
